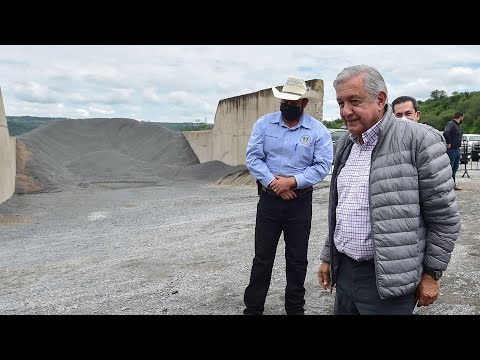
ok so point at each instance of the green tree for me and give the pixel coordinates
(437, 112)
(438, 94)
(335, 124)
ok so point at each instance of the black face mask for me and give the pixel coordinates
(290, 112)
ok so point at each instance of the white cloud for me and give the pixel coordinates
(37, 109)
(151, 95)
(81, 113)
(101, 109)
(34, 92)
(178, 83)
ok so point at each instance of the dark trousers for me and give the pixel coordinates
(357, 294)
(454, 155)
(294, 218)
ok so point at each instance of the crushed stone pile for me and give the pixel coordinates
(64, 154)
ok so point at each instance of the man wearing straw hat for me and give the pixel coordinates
(288, 152)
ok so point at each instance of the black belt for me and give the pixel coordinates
(369, 261)
(271, 192)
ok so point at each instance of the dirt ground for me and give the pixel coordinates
(183, 249)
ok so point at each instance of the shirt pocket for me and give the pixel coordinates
(272, 140)
(304, 149)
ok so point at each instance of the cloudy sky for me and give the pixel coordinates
(182, 83)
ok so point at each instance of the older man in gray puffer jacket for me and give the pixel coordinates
(393, 216)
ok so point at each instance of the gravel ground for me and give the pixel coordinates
(127, 248)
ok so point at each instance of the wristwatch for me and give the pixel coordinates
(436, 274)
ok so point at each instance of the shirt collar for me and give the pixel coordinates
(304, 121)
(370, 136)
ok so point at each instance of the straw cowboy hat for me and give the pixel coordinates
(296, 89)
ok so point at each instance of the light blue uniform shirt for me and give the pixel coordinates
(304, 151)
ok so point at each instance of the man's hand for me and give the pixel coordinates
(288, 194)
(282, 184)
(323, 275)
(427, 291)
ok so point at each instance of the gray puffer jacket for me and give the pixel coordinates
(413, 209)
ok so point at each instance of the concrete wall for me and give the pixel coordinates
(234, 119)
(7, 157)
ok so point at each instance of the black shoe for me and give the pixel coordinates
(297, 313)
(252, 312)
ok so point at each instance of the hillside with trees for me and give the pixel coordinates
(18, 125)
(439, 109)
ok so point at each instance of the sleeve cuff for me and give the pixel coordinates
(268, 180)
(300, 179)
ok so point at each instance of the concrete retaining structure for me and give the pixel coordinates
(7, 157)
(234, 119)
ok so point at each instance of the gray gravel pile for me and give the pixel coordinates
(80, 152)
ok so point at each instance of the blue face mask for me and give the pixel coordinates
(290, 112)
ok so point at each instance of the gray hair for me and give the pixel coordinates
(374, 82)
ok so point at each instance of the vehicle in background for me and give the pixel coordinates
(336, 134)
(468, 140)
